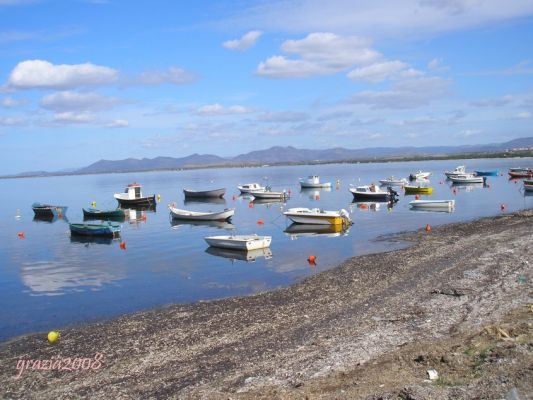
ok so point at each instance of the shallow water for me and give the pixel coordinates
(50, 280)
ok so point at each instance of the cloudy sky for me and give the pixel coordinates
(107, 79)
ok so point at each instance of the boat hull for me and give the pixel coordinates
(418, 190)
(474, 179)
(521, 174)
(201, 216)
(307, 185)
(106, 230)
(216, 193)
(239, 242)
(269, 195)
(487, 173)
(47, 210)
(141, 201)
(317, 217)
(92, 213)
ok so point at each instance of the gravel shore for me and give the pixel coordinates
(458, 301)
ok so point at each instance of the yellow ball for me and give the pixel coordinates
(53, 336)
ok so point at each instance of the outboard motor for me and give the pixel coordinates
(393, 194)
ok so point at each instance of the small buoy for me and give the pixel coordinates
(158, 198)
(93, 203)
(311, 260)
(123, 245)
(21, 235)
(503, 207)
(53, 336)
(317, 197)
(250, 205)
(260, 222)
(428, 228)
(417, 197)
(364, 206)
(454, 191)
(289, 191)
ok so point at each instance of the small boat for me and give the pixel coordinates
(409, 189)
(239, 242)
(306, 230)
(214, 193)
(250, 187)
(269, 194)
(528, 185)
(493, 172)
(392, 181)
(133, 196)
(419, 175)
(521, 172)
(93, 213)
(460, 170)
(468, 179)
(317, 216)
(47, 210)
(107, 228)
(373, 192)
(432, 204)
(243, 255)
(313, 181)
(224, 215)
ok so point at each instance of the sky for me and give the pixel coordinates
(85, 80)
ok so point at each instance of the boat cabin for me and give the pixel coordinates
(312, 179)
(133, 191)
(251, 186)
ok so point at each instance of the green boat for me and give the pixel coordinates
(109, 229)
(93, 213)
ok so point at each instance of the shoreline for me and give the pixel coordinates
(308, 339)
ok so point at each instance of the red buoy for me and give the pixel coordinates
(21, 235)
(503, 206)
(311, 260)
(260, 222)
(417, 197)
(428, 228)
(123, 245)
(250, 205)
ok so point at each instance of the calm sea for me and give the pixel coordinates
(49, 280)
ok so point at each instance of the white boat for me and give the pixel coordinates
(133, 196)
(392, 181)
(201, 216)
(419, 175)
(213, 193)
(317, 216)
(372, 193)
(460, 170)
(239, 242)
(433, 204)
(250, 187)
(313, 181)
(269, 194)
(467, 178)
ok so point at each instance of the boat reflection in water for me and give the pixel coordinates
(49, 218)
(137, 215)
(176, 223)
(304, 230)
(241, 255)
(314, 194)
(372, 205)
(467, 187)
(204, 200)
(88, 240)
(269, 202)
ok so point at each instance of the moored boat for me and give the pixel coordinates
(224, 215)
(317, 216)
(493, 172)
(528, 185)
(250, 187)
(107, 228)
(419, 175)
(48, 210)
(133, 196)
(468, 179)
(460, 170)
(392, 181)
(520, 172)
(313, 181)
(93, 213)
(304, 230)
(239, 242)
(410, 189)
(432, 204)
(373, 192)
(214, 193)
(269, 194)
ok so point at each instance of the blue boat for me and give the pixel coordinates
(108, 229)
(494, 172)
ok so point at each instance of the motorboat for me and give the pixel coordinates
(419, 175)
(93, 213)
(214, 193)
(373, 193)
(460, 170)
(48, 210)
(471, 178)
(318, 216)
(108, 229)
(392, 181)
(307, 230)
(521, 172)
(250, 187)
(432, 204)
(411, 189)
(493, 172)
(133, 196)
(239, 242)
(224, 215)
(313, 181)
(269, 194)
(242, 255)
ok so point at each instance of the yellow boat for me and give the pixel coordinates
(418, 189)
(318, 217)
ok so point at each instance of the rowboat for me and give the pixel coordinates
(521, 172)
(93, 213)
(493, 172)
(224, 215)
(269, 194)
(419, 175)
(432, 204)
(317, 216)
(239, 242)
(306, 230)
(243, 255)
(104, 229)
(528, 185)
(460, 170)
(47, 210)
(204, 193)
(250, 187)
(373, 193)
(392, 181)
(468, 179)
(313, 181)
(418, 189)
(133, 196)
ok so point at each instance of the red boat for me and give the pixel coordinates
(521, 172)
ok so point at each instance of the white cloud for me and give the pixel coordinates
(437, 65)
(378, 72)
(118, 123)
(10, 121)
(319, 54)
(72, 101)
(524, 115)
(9, 102)
(173, 75)
(218, 109)
(39, 74)
(70, 117)
(247, 41)
(493, 102)
(470, 132)
(283, 116)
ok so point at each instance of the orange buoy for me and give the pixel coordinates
(364, 206)
(417, 197)
(317, 197)
(311, 260)
(123, 245)
(260, 222)
(428, 228)
(21, 235)
(250, 205)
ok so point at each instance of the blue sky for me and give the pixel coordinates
(87, 80)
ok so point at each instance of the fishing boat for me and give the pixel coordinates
(373, 193)
(224, 215)
(242, 255)
(107, 228)
(468, 179)
(432, 204)
(306, 230)
(528, 185)
(493, 172)
(214, 193)
(317, 216)
(460, 170)
(269, 194)
(313, 181)
(410, 189)
(239, 242)
(47, 210)
(133, 196)
(93, 213)
(392, 181)
(250, 187)
(520, 172)
(419, 175)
